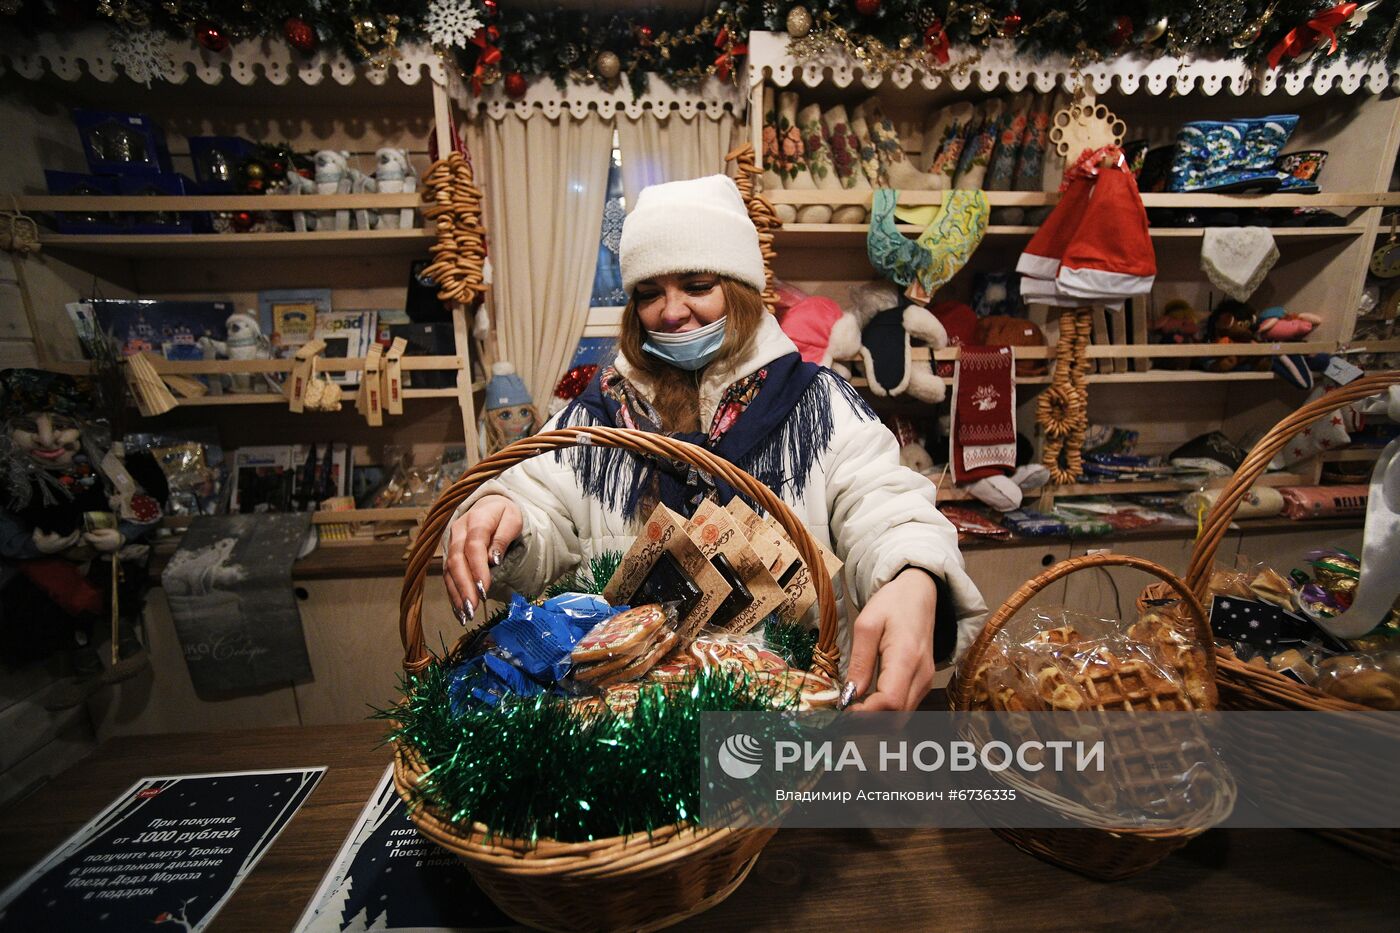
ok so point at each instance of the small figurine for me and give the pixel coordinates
(509, 411)
(1277, 323)
(245, 342)
(333, 176)
(1231, 322)
(393, 174)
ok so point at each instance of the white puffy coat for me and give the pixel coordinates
(876, 515)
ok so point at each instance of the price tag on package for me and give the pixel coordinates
(1340, 371)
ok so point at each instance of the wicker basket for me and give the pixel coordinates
(1247, 687)
(644, 881)
(1097, 853)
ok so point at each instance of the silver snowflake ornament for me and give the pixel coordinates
(143, 54)
(613, 216)
(452, 23)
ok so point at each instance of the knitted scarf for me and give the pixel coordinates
(774, 424)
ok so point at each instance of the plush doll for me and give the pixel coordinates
(71, 506)
(333, 175)
(880, 333)
(245, 342)
(393, 174)
(1231, 322)
(508, 410)
(1279, 324)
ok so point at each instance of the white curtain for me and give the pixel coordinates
(671, 149)
(544, 183)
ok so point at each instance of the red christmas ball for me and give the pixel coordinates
(300, 35)
(644, 35)
(516, 85)
(489, 6)
(1011, 25)
(1122, 31)
(867, 7)
(242, 221)
(210, 37)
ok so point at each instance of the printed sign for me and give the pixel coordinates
(388, 877)
(165, 855)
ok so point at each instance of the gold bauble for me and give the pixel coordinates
(981, 21)
(1154, 31)
(608, 65)
(799, 22)
(367, 31)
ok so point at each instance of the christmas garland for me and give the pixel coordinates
(540, 768)
(489, 43)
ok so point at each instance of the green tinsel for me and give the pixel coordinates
(535, 768)
(590, 579)
(794, 641)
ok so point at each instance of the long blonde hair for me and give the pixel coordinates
(677, 398)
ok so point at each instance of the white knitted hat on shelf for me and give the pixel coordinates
(700, 225)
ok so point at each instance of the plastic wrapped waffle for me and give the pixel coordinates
(1061, 661)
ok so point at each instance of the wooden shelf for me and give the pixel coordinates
(1357, 199)
(154, 203)
(950, 493)
(410, 242)
(798, 235)
(1351, 455)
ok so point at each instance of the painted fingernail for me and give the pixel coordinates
(495, 558)
(848, 693)
(461, 615)
(470, 609)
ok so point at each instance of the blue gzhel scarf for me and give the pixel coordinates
(784, 423)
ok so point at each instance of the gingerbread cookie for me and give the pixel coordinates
(643, 662)
(625, 635)
(622, 698)
(735, 655)
(811, 690)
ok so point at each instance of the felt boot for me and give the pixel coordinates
(821, 164)
(845, 158)
(798, 176)
(774, 164)
(900, 172)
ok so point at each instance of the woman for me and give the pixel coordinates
(699, 358)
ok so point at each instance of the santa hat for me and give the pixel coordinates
(808, 324)
(1042, 255)
(1111, 253)
(700, 225)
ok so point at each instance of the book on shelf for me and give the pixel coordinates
(348, 335)
(288, 316)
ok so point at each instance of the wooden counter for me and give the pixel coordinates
(805, 879)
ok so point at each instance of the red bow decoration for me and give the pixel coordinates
(724, 63)
(489, 56)
(1303, 39)
(936, 41)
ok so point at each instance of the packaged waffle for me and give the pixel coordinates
(1061, 660)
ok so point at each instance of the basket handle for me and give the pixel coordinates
(972, 661)
(416, 658)
(1217, 521)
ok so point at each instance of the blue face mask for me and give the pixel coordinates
(691, 350)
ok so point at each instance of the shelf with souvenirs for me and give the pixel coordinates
(1251, 245)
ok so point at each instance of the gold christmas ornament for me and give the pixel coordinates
(1154, 31)
(608, 66)
(980, 21)
(799, 22)
(367, 32)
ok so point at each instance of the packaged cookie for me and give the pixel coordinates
(666, 565)
(742, 654)
(754, 591)
(806, 690)
(625, 635)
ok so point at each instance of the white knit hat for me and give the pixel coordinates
(700, 225)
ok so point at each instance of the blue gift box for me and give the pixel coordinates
(118, 143)
(164, 221)
(216, 160)
(79, 184)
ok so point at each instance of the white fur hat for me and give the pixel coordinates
(700, 225)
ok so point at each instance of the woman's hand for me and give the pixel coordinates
(477, 542)
(896, 627)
